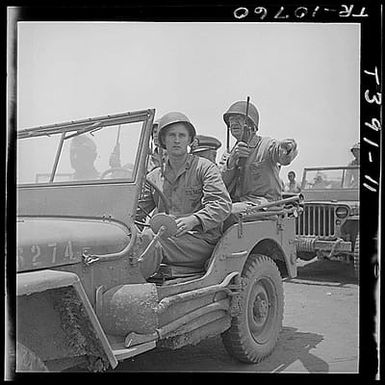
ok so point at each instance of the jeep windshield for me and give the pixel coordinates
(91, 150)
(336, 178)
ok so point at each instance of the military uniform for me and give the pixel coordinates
(196, 189)
(259, 179)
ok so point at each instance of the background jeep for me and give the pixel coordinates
(81, 297)
(328, 227)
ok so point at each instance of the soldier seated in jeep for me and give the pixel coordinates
(197, 198)
(251, 170)
(82, 155)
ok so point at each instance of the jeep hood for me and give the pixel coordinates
(346, 195)
(44, 242)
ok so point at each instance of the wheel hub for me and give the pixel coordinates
(260, 309)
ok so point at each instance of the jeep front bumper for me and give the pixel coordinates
(314, 244)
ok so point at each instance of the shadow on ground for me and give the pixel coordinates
(294, 346)
(326, 271)
(210, 356)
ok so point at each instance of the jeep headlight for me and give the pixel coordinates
(342, 212)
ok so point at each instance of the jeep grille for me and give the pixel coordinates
(316, 220)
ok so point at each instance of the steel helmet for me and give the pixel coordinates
(171, 118)
(240, 108)
(83, 143)
(355, 147)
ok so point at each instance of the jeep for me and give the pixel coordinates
(328, 227)
(81, 297)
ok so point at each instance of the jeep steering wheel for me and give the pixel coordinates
(115, 169)
(147, 215)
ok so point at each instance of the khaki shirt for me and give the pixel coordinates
(197, 189)
(260, 175)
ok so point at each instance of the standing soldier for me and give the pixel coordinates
(251, 171)
(206, 147)
(197, 198)
(352, 175)
(355, 150)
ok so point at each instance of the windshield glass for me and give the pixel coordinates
(340, 178)
(103, 153)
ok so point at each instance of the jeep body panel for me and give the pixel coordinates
(42, 314)
(192, 310)
(235, 248)
(45, 242)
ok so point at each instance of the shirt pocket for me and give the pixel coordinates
(193, 195)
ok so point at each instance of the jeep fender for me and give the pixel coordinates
(275, 240)
(57, 322)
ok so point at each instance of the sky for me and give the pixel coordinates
(303, 78)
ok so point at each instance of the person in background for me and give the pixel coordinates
(158, 154)
(83, 154)
(251, 170)
(197, 198)
(320, 181)
(206, 147)
(352, 177)
(292, 186)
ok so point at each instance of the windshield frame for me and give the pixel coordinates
(332, 168)
(90, 125)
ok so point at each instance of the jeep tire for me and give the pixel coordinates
(254, 331)
(27, 360)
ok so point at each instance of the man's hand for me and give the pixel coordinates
(239, 207)
(241, 150)
(286, 146)
(185, 224)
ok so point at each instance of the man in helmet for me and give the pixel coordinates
(352, 175)
(251, 170)
(82, 156)
(197, 198)
(206, 147)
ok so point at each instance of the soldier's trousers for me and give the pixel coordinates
(186, 254)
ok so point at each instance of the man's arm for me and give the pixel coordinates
(216, 200)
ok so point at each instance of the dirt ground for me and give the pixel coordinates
(319, 335)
